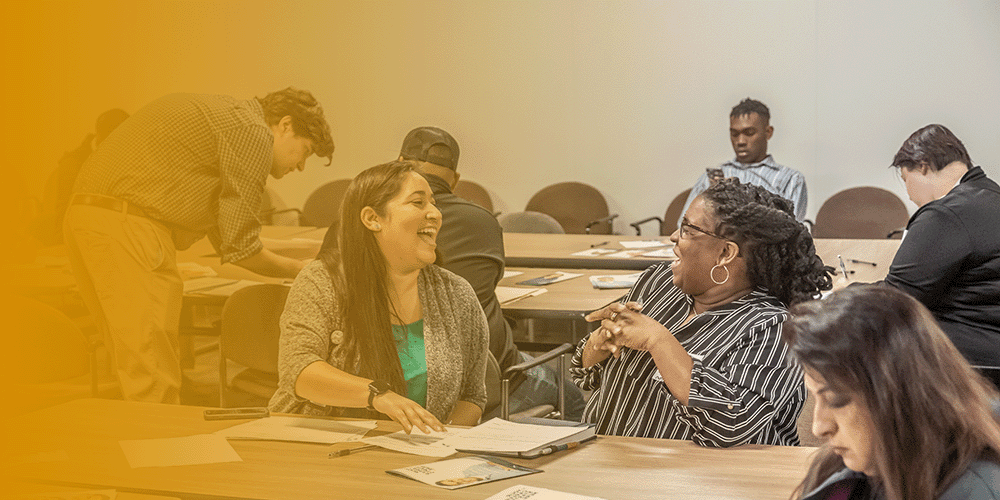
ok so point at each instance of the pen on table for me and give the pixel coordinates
(843, 268)
(595, 245)
(856, 261)
(349, 451)
(548, 450)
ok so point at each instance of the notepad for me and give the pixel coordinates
(516, 439)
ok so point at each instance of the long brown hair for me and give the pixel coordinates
(360, 275)
(932, 413)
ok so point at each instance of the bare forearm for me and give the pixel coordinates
(675, 365)
(326, 385)
(269, 263)
(465, 413)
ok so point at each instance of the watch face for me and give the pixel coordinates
(378, 386)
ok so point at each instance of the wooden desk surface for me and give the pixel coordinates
(88, 432)
(556, 251)
(569, 299)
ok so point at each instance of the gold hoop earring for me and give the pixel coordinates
(711, 274)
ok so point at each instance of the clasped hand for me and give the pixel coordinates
(624, 325)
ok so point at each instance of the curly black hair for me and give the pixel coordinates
(778, 249)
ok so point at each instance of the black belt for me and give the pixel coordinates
(96, 200)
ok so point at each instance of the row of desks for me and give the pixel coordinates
(76, 444)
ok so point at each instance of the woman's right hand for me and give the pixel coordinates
(406, 412)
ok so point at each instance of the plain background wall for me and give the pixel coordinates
(631, 97)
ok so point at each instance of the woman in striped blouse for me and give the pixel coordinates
(694, 351)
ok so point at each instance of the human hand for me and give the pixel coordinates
(630, 328)
(602, 339)
(406, 412)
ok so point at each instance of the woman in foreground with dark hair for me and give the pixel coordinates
(696, 351)
(373, 323)
(904, 415)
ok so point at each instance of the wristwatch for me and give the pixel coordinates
(374, 389)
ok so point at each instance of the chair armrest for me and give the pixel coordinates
(636, 224)
(593, 223)
(893, 233)
(544, 358)
(809, 224)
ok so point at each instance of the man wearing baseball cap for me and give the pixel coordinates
(471, 245)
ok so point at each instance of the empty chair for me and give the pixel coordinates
(323, 205)
(475, 193)
(47, 358)
(579, 208)
(668, 224)
(861, 213)
(530, 222)
(249, 337)
(498, 385)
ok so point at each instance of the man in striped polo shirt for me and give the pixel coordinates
(749, 131)
(182, 167)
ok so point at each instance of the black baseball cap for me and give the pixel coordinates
(419, 141)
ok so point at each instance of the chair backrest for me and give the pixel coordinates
(529, 222)
(474, 193)
(574, 205)
(323, 205)
(250, 330)
(673, 213)
(860, 213)
(274, 211)
(46, 345)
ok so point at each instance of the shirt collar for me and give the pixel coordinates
(438, 185)
(768, 162)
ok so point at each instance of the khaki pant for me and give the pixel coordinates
(126, 268)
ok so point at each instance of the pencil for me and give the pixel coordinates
(344, 453)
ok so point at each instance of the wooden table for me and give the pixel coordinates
(556, 251)
(88, 431)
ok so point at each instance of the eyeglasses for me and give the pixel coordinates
(686, 228)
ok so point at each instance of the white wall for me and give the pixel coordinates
(632, 97)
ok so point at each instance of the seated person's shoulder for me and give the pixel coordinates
(981, 480)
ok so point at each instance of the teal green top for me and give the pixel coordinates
(413, 358)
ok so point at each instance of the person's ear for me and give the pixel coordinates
(285, 125)
(730, 251)
(769, 131)
(924, 168)
(370, 219)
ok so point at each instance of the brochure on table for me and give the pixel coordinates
(462, 472)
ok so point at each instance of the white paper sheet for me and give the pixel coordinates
(643, 243)
(594, 252)
(521, 492)
(506, 294)
(508, 274)
(415, 443)
(300, 429)
(501, 435)
(188, 450)
(666, 253)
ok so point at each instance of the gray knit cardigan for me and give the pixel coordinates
(455, 334)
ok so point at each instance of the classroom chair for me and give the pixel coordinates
(322, 207)
(668, 224)
(249, 339)
(498, 385)
(580, 208)
(861, 213)
(475, 193)
(530, 222)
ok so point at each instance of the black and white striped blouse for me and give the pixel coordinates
(745, 387)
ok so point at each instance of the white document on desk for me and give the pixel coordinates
(642, 243)
(415, 443)
(521, 492)
(196, 285)
(300, 429)
(226, 290)
(501, 435)
(506, 294)
(664, 253)
(188, 450)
